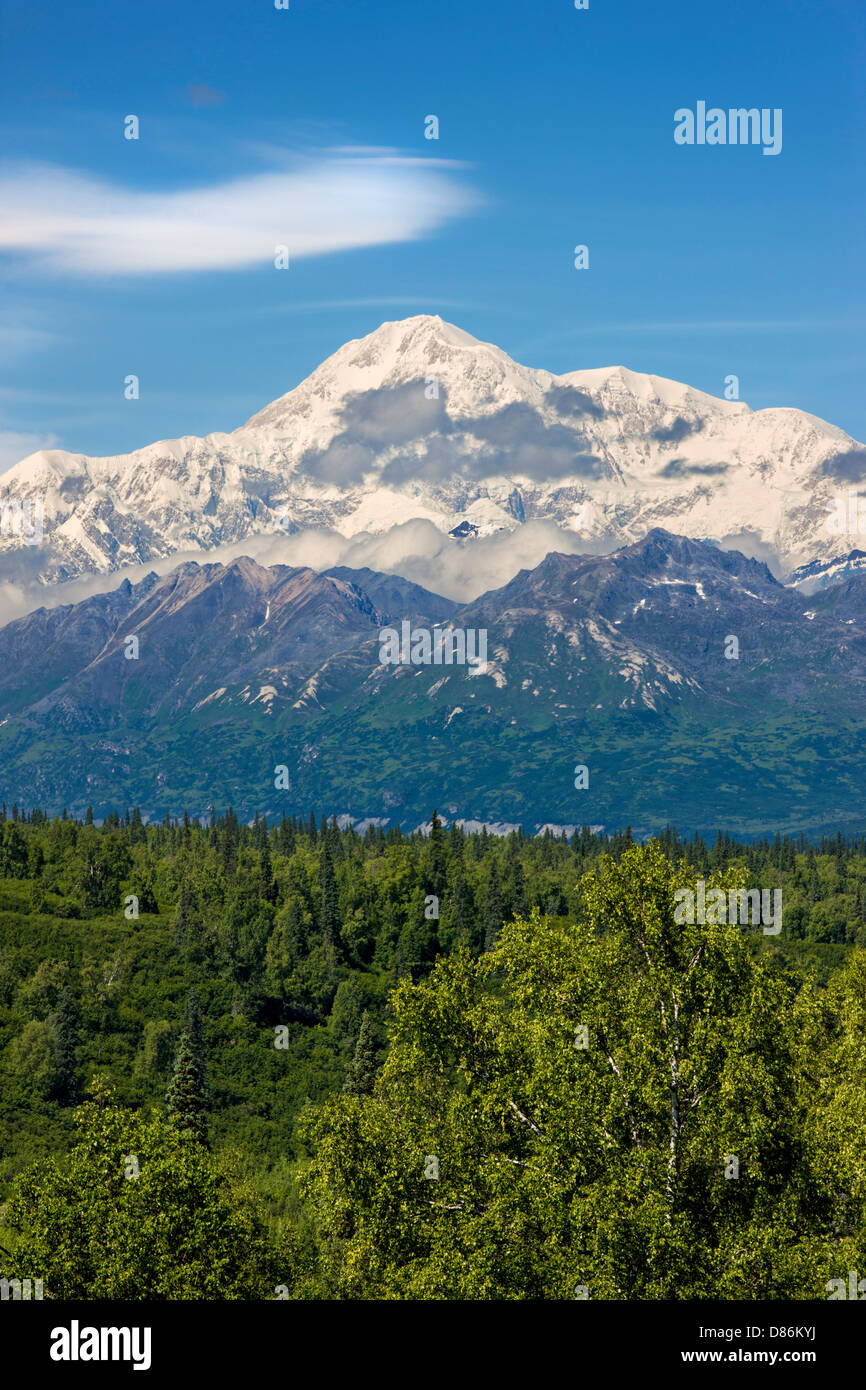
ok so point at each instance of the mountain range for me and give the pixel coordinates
(624, 664)
(419, 421)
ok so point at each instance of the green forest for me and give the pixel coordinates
(293, 1061)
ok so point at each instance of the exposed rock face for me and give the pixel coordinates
(692, 685)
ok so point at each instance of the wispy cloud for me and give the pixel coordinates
(19, 339)
(70, 221)
(685, 328)
(391, 301)
(715, 326)
(416, 550)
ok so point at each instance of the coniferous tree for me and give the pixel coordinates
(362, 1069)
(493, 908)
(183, 916)
(330, 899)
(519, 904)
(286, 836)
(147, 892)
(185, 1094)
(438, 856)
(267, 882)
(334, 838)
(459, 915)
(230, 843)
(194, 1030)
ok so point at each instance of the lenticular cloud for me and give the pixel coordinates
(73, 222)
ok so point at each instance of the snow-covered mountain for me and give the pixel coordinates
(821, 573)
(420, 420)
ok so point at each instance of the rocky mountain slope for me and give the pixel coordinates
(692, 686)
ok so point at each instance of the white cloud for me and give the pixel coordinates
(74, 222)
(417, 550)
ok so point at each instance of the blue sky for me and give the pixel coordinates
(556, 128)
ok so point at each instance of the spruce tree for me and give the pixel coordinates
(334, 838)
(230, 843)
(330, 899)
(183, 916)
(460, 908)
(267, 883)
(493, 909)
(362, 1069)
(194, 1030)
(519, 904)
(185, 1094)
(438, 857)
(286, 837)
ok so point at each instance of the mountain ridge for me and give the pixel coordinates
(620, 663)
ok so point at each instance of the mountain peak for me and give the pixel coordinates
(399, 351)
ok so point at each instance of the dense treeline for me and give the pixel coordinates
(227, 979)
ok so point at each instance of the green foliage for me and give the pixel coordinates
(100, 865)
(34, 1057)
(603, 1165)
(66, 1030)
(454, 1037)
(156, 1049)
(13, 851)
(137, 1211)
